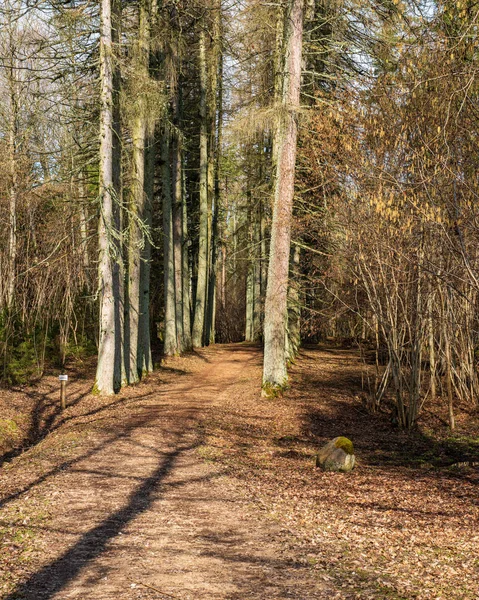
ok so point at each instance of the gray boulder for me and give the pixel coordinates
(337, 455)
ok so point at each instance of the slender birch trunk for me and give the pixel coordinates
(274, 369)
(201, 285)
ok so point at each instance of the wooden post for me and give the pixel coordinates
(63, 390)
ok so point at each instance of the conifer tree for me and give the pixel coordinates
(275, 325)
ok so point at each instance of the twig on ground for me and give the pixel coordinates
(147, 585)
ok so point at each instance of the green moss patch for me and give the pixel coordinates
(345, 444)
(271, 391)
(9, 430)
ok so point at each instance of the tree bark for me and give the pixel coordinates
(170, 335)
(257, 306)
(177, 215)
(146, 361)
(108, 373)
(186, 276)
(201, 286)
(294, 307)
(217, 122)
(250, 273)
(12, 239)
(138, 205)
(274, 369)
(13, 13)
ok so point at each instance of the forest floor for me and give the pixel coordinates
(192, 486)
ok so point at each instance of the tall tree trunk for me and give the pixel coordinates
(177, 190)
(146, 363)
(431, 344)
(186, 276)
(170, 335)
(274, 369)
(108, 373)
(119, 266)
(200, 301)
(84, 218)
(450, 395)
(138, 203)
(264, 265)
(12, 239)
(257, 306)
(294, 307)
(213, 70)
(177, 215)
(13, 14)
(279, 73)
(217, 123)
(250, 273)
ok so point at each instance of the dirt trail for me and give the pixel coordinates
(135, 510)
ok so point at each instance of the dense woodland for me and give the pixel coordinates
(183, 172)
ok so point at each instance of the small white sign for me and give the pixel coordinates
(63, 377)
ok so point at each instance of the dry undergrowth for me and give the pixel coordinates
(397, 527)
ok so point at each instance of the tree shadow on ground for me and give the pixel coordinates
(53, 577)
(46, 416)
(45, 430)
(45, 412)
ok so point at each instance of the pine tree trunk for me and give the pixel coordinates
(201, 286)
(274, 369)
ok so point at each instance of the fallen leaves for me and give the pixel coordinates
(383, 531)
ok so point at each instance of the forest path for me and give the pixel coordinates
(134, 508)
